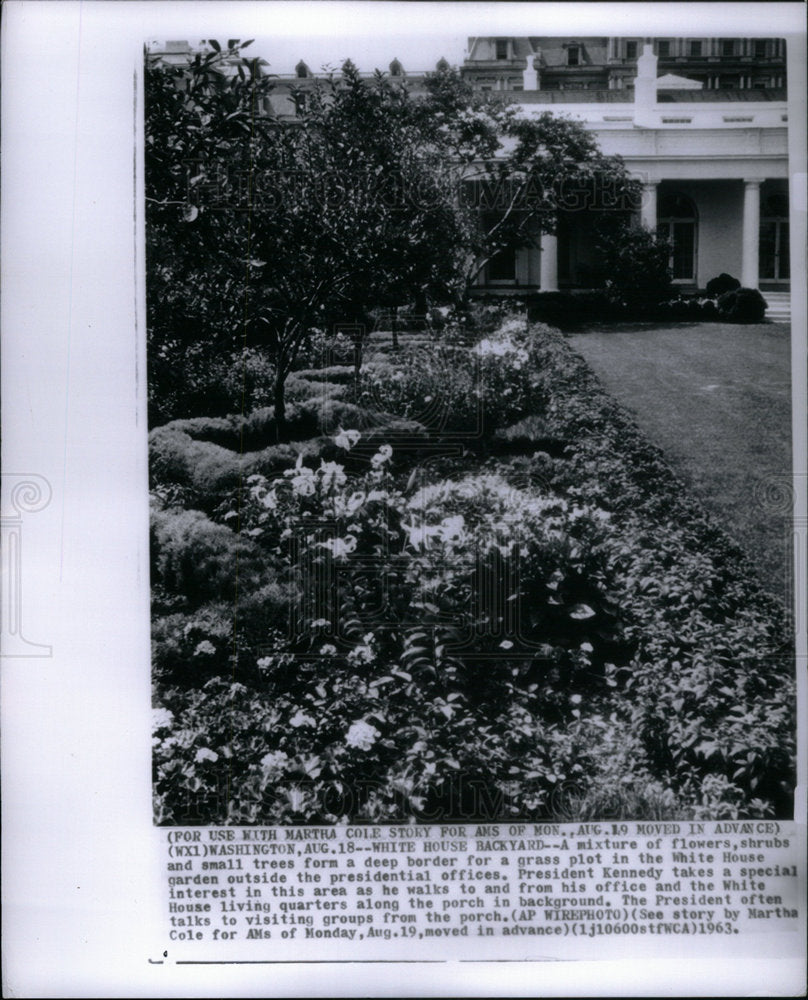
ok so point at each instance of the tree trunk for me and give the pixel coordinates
(394, 327)
(280, 404)
(422, 307)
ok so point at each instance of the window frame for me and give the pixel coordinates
(668, 223)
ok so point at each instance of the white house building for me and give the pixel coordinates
(714, 169)
(707, 138)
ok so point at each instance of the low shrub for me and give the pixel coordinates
(634, 262)
(197, 558)
(716, 287)
(561, 636)
(744, 305)
(570, 310)
(709, 689)
(456, 390)
(427, 706)
(188, 379)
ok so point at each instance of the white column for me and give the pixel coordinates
(751, 233)
(549, 263)
(648, 206)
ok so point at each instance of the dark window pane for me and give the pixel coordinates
(768, 247)
(664, 48)
(631, 50)
(684, 241)
(572, 56)
(785, 260)
(503, 266)
(695, 48)
(502, 50)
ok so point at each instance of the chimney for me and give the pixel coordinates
(530, 76)
(645, 83)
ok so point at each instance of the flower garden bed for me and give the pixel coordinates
(470, 590)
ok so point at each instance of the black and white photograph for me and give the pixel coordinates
(404, 498)
(470, 418)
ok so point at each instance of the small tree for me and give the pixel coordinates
(517, 174)
(262, 229)
(634, 262)
(351, 214)
(196, 116)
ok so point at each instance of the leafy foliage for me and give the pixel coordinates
(724, 282)
(743, 305)
(635, 262)
(536, 636)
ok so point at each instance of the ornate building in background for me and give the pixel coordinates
(714, 168)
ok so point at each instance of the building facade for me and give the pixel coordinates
(714, 169)
(598, 64)
(701, 122)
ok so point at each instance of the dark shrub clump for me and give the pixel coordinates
(717, 287)
(744, 305)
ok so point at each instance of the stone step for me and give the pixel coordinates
(778, 306)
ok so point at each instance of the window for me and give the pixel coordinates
(678, 224)
(573, 56)
(503, 266)
(728, 47)
(518, 86)
(663, 49)
(774, 237)
(502, 48)
(760, 48)
(631, 50)
(695, 49)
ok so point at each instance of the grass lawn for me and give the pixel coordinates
(717, 399)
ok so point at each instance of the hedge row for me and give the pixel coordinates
(709, 691)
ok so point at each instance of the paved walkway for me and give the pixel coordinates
(717, 399)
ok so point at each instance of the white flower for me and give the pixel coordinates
(205, 647)
(341, 547)
(420, 534)
(332, 474)
(274, 761)
(348, 506)
(328, 650)
(346, 439)
(270, 500)
(303, 485)
(383, 455)
(302, 478)
(301, 719)
(161, 718)
(361, 654)
(265, 663)
(451, 528)
(362, 736)
(205, 754)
